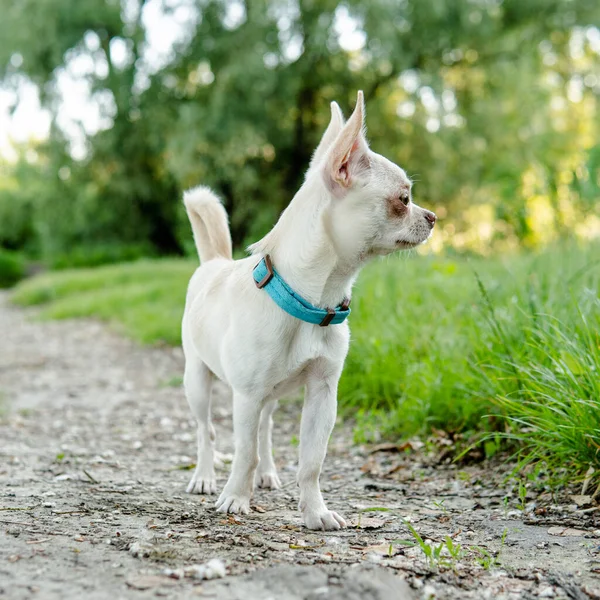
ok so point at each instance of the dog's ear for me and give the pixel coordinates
(333, 129)
(349, 155)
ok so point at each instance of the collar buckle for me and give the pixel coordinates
(331, 313)
(327, 318)
(269, 266)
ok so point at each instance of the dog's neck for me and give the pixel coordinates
(303, 251)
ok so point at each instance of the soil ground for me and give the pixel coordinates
(96, 441)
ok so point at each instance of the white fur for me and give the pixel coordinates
(339, 218)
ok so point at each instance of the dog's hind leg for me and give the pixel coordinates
(198, 381)
(235, 497)
(266, 472)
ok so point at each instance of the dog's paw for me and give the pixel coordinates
(325, 520)
(233, 503)
(269, 480)
(202, 484)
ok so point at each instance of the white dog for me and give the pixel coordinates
(257, 327)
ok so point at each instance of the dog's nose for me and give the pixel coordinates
(431, 218)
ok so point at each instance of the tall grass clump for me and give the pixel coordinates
(436, 342)
(555, 413)
(545, 380)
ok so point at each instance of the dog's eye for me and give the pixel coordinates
(405, 198)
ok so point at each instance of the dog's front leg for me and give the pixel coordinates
(318, 419)
(235, 497)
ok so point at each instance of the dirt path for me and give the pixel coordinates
(95, 438)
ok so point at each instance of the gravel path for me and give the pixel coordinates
(96, 445)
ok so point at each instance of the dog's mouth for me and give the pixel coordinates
(405, 245)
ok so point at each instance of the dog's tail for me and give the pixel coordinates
(209, 223)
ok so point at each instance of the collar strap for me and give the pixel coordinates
(268, 279)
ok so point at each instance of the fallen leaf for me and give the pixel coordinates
(581, 500)
(230, 520)
(371, 467)
(391, 447)
(259, 509)
(566, 532)
(395, 469)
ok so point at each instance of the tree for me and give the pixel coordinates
(460, 93)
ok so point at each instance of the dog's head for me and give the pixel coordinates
(371, 209)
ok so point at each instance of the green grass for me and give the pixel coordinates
(143, 299)
(437, 342)
(555, 411)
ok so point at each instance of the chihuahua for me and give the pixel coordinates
(354, 205)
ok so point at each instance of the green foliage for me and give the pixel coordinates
(100, 254)
(12, 268)
(16, 223)
(490, 105)
(119, 193)
(53, 27)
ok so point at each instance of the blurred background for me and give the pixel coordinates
(110, 108)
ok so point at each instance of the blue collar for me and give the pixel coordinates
(267, 278)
